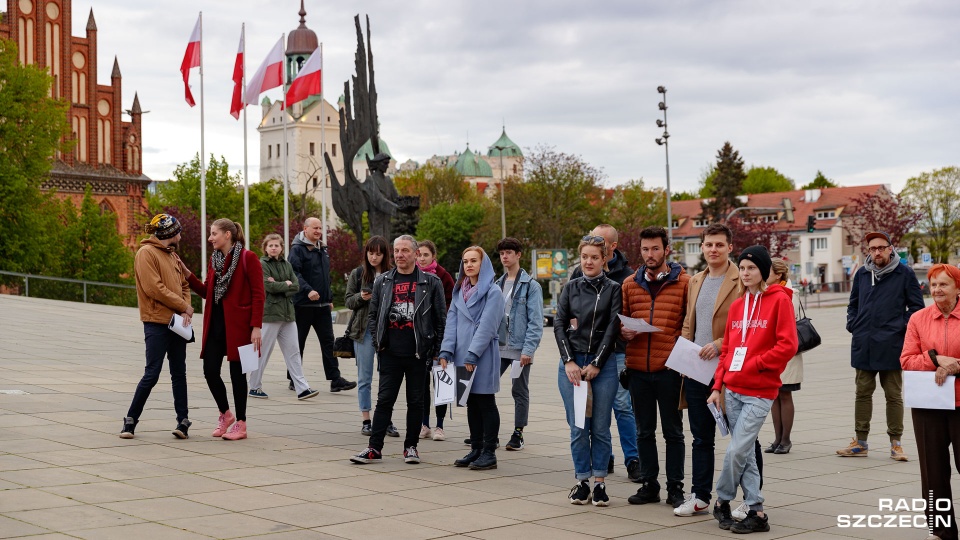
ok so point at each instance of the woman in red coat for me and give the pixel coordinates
(232, 315)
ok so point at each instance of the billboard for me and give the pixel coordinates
(550, 264)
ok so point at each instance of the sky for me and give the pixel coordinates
(865, 91)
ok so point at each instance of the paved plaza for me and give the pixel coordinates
(68, 372)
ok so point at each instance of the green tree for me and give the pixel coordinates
(31, 128)
(451, 227)
(434, 185)
(224, 193)
(633, 206)
(820, 182)
(684, 195)
(91, 247)
(934, 194)
(727, 184)
(707, 177)
(766, 180)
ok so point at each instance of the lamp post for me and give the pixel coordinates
(663, 141)
(503, 208)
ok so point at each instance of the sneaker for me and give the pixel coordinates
(181, 430)
(600, 495)
(516, 441)
(438, 434)
(367, 429)
(225, 421)
(129, 424)
(610, 466)
(691, 506)
(426, 432)
(633, 470)
(649, 492)
(740, 513)
(751, 524)
(258, 393)
(675, 496)
(392, 431)
(368, 456)
(721, 512)
(854, 449)
(896, 452)
(410, 455)
(307, 394)
(340, 383)
(580, 493)
(237, 431)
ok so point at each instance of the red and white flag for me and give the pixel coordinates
(269, 75)
(235, 104)
(191, 59)
(307, 82)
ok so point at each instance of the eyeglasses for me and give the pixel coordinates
(593, 240)
(877, 249)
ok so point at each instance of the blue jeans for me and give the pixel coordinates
(703, 428)
(364, 352)
(161, 341)
(590, 446)
(745, 415)
(623, 412)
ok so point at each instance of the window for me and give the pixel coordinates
(701, 222)
(278, 150)
(269, 151)
(312, 149)
(693, 248)
(827, 214)
(820, 244)
(314, 181)
(676, 225)
(334, 146)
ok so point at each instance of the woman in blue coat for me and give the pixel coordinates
(470, 341)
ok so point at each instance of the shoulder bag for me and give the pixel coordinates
(807, 336)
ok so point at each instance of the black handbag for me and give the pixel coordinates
(807, 336)
(343, 345)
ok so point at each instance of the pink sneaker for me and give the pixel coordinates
(226, 419)
(237, 432)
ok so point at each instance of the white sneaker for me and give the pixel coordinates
(691, 506)
(438, 434)
(425, 432)
(740, 513)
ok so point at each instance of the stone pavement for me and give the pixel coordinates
(64, 473)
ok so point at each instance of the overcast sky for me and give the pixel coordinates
(865, 91)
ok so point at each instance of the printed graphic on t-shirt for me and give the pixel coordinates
(401, 309)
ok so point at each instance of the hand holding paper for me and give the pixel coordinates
(249, 358)
(921, 391)
(580, 404)
(637, 325)
(685, 358)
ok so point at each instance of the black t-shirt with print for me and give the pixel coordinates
(400, 336)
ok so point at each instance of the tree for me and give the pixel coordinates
(748, 233)
(820, 182)
(766, 180)
(684, 195)
(224, 196)
(434, 185)
(91, 247)
(935, 196)
(633, 206)
(450, 226)
(727, 184)
(31, 128)
(880, 211)
(344, 257)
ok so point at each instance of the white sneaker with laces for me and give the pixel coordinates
(425, 432)
(438, 434)
(740, 513)
(691, 506)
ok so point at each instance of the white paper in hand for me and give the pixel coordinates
(515, 369)
(637, 325)
(176, 324)
(467, 385)
(685, 359)
(720, 419)
(920, 391)
(249, 358)
(580, 404)
(444, 389)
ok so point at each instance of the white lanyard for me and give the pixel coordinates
(746, 318)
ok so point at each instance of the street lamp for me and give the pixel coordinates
(663, 141)
(503, 211)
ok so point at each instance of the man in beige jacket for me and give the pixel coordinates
(162, 291)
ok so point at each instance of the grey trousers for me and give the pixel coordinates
(520, 388)
(284, 333)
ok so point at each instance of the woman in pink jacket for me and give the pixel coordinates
(932, 343)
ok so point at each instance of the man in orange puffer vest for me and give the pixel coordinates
(656, 293)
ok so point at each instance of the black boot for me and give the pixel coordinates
(486, 461)
(466, 460)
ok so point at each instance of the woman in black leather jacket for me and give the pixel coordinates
(586, 328)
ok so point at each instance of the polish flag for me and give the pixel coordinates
(235, 104)
(307, 82)
(269, 75)
(191, 59)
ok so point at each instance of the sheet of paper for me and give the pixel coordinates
(249, 358)
(580, 404)
(685, 359)
(176, 324)
(637, 325)
(920, 391)
(467, 385)
(444, 390)
(515, 369)
(720, 419)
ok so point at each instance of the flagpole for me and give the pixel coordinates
(323, 145)
(203, 172)
(246, 187)
(286, 183)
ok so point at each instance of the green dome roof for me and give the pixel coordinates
(470, 165)
(366, 151)
(510, 148)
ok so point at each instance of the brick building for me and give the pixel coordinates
(107, 150)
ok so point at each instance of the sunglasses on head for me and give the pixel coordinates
(590, 239)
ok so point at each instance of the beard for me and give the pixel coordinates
(654, 263)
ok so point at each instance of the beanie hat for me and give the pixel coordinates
(163, 226)
(759, 256)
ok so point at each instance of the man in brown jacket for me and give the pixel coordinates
(162, 291)
(656, 293)
(710, 294)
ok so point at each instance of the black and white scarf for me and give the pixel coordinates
(222, 280)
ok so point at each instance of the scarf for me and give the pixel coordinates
(468, 290)
(222, 280)
(877, 274)
(432, 267)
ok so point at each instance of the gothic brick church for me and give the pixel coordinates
(107, 150)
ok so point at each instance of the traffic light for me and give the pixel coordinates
(811, 224)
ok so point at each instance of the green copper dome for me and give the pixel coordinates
(470, 165)
(510, 148)
(366, 151)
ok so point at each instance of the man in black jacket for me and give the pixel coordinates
(407, 317)
(312, 303)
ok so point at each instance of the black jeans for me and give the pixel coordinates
(320, 319)
(483, 417)
(441, 410)
(650, 391)
(215, 349)
(703, 428)
(393, 369)
(161, 341)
